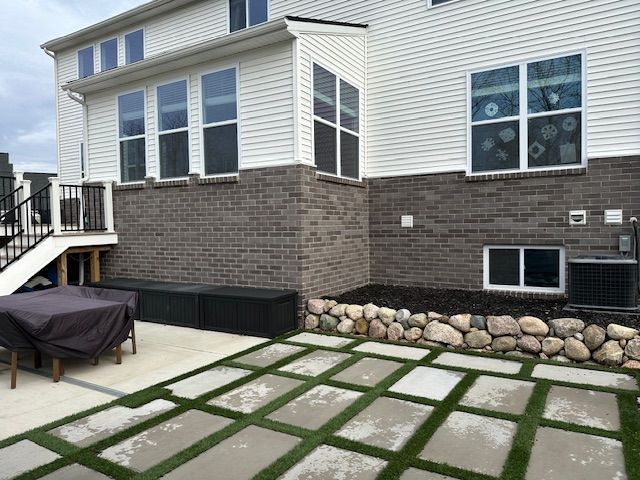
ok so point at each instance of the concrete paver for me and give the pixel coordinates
(391, 350)
(22, 457)
(583, 376)
(269, 355)
(75, 472)
(478, 363)
(193, 387)
(327, 462)
(256, 394)
(367, 372)
(428, 382)
(499, 394)
(320, 340)
(583, 407)
(315, 363)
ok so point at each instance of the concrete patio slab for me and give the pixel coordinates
(584, 376)
(367, 372)
(193, 387)
(320, 340)
(386, 423)
(267, 356)
(256, 394)
(156, 444)
(560, 454)
(239, 457)
(89, 430)
(327, 462)
(499, 394)
(390, 350)
(416, 474)
(315, 363)
(472, 442)
(427, 382)
(22, 457)
(316, 407)
(75, 472)
(583, 407)
(478, 363)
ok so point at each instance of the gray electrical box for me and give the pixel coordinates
(624, 243)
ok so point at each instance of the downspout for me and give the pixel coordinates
(79, 98)
(57, 99)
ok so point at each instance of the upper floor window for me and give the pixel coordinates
(336, 115)
(527, 116)
(85, 62)
(132, 139)
(109, 54)
(433, 3)
(247, 13)
(220, 122)
(134, 46)
(173, 129)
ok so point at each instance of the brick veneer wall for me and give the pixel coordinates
(455, 217)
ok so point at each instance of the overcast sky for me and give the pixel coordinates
(27, 108)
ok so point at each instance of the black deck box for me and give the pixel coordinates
(171, 303)
(251, 311)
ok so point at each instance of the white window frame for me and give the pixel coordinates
(522, 287)
(524, 115)
(246, 20)
(124, 45)
(430, 3)
(339, 128)
(203, 126)
(117, 53)
(136, 137)
(187, 129)
(93, 57)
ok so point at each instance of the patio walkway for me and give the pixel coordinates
(328, 407)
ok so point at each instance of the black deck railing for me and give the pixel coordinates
(7, 203)
(82, 208)
(7, 185)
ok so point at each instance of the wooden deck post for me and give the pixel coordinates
(95, 265)
(56, 214)
(62, 270)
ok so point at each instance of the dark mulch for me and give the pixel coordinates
(451, 302)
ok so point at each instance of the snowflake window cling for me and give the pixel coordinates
(491, 109)
(549, 131)
(502, 155)
(507, 135)
(488, 144)
(554, 98)
(535, 150)
(569, 124)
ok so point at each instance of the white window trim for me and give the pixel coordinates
(522, 287)
(124, 44)
(159, 133)
(78, 60)
(119, 139)
(524, 115)
(246, 20)
(99, 53)
(431, 5)
(339, 128)
(203, 126)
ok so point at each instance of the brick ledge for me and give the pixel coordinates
(340, 180)
(528, 174)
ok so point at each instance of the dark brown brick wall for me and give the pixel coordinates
(454, 218)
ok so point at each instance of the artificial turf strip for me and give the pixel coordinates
(630, 431)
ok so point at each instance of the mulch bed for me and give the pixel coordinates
(451, 302)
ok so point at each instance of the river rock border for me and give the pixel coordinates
(561, 339)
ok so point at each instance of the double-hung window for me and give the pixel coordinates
(134, 46)
(220, 122)
(85, 62)
(132, 139)
(336, 121)
(173, 129)
(247, 13)
(528, 116)
(108, 54)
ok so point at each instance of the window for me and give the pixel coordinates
(433, 3)
(85, 62)
(109, 54)
(527, 116)
(83, 173)
(336, 122)
(247, 13)
(134, 47)
(173, 128)
(220, 122)
(524, 268)
(132, 139)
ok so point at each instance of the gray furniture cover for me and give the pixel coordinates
(67, 322)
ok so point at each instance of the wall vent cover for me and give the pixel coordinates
(578, 217)
(406, 221)
(613, 217)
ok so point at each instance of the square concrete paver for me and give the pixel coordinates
(416, 474)
(427, 382)
(583, 375)
(75, 472)
(583, 407)
(269, 355)
(367, 372)
(22, 457)
(155, 445)
(327, 462)
(89, 430)
(320, 340)
(390, 350)
(560, 455)
(472, 442)
(499, 394)
(315, 363)
(239, 457)
(256, 394)
(193, 387)
(386, 423)
(478, 363)
(316, 407)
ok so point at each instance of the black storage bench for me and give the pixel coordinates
(251, 311)
(171, 303)
(128, 284)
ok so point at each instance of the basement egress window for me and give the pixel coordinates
(530, 268)
(336, 121)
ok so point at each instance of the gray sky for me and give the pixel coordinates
(27, 108)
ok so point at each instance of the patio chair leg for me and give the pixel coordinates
(95, 361)
(119, 354)
(37, 359)
(14, 369)
(57, 369)
(134, 348)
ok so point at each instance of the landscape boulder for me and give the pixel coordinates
(339, 310)
(387, 315)
(479, 322)
(402, 315)
(551, 346)
(443, 333)
(311, 321)
(461, 322)
(413, 334)
(503, 325)
(503, 344)
(529, 343)
(478, 339)
(418, 320)
(618, 332)
(362, 326)
(346, 326)
(533, 326)
(610, 353)
(328, 322)
(574, 349)
(316, 306)
(567, 327)
(370, 311)
(594, 336)
(632, 350)
(377, 329)
(354, 312)
(395, 331)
